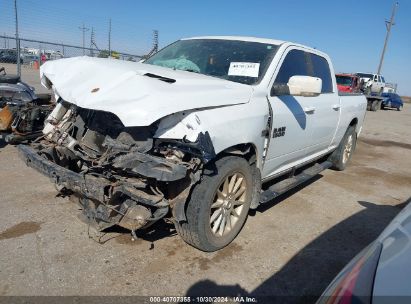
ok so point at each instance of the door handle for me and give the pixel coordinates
(336, 107)
(309, 110)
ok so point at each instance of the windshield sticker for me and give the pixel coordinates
(248, 69)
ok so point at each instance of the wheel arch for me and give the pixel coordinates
(354, 123)
(246, 150)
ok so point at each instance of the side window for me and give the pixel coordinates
(294, 64)
(321, 69)
(382, 79)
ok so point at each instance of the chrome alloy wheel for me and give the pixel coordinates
(348, 148)
(228, 204)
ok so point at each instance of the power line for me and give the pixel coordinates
(388, 25)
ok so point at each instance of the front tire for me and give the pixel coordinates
(342, 155)
(218, 206)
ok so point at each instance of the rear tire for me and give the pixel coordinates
(399, 108)
(374, 105)
(342, 155)
(218, 206)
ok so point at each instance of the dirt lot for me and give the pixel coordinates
(293, 247)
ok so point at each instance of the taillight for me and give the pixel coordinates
(354, 284)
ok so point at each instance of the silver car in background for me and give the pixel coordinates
(381, 273)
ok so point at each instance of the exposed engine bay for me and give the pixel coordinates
(120, 175)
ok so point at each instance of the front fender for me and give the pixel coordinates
(227, 126)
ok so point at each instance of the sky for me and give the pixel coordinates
(352, 32)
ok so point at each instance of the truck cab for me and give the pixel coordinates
(348, 83)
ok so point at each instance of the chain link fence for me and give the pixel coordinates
(33, 53)
(45, 33)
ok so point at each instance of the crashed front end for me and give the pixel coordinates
(121, 175)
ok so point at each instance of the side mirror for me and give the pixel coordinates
(306, 86)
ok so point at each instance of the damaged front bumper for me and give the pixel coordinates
(93, 188)
(97, 195)
(121, 176)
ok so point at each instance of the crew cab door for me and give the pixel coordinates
(326, 106)
(292, 116)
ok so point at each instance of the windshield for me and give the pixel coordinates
(239, 61)
(364, 75)
(344, 80)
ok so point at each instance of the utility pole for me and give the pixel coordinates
(84, 30)
(92, 42)
(109, 39)
(17, 40)
(388, 25)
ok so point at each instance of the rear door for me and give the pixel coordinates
(327, 106)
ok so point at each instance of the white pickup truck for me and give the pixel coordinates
(372, 83)
(194, 133)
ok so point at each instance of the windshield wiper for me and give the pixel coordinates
(192, 71)
(162, 78)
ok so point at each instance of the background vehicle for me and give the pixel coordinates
(372, 83)
(29, 58)
(12, 88)
(22, 112)
(348, 83)
(379, 273)
(351, 84)
(392, 100)
(193, 132)
(9, 58)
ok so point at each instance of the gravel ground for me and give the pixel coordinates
(293, 247)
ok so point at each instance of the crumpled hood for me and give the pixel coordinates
(122, 88)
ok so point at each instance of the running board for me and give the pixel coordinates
(289, 183)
